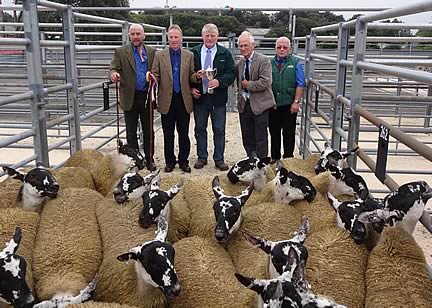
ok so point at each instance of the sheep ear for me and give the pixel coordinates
(347, 153)
(173, 191)
(257, 242)
(293, 260)
(279, 165)
(250, 283)
(162, 231)
(283, 175)
(303, 229)
(125, 257)
(333, 201)
(275, 290)
(217, 189)
(263, 162)
(13, 244)
(155, 182)
(246, 194)
(15, 174)
(299, 277)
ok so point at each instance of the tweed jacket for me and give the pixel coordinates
(259, 86)
(123, 63)
(162, 70)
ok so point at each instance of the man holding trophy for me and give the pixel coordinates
(215, 67)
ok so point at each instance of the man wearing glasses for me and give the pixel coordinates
(288, 87)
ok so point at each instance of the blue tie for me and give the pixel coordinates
(207, 64)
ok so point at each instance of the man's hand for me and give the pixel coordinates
(244, 83)
(214, 83)
(195, 93)
(115, 77)
(295, 106)
(200, 74)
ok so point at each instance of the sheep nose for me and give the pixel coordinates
(173, 291)
(220, 235)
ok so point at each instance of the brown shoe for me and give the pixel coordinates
(169, 168)
(200, 164)
(221, 166)
(185, 168)
(151, 166)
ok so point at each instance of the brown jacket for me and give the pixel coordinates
(123, 63)
(259, 86)
(162, 70)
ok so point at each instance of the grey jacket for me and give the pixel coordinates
(259, 86)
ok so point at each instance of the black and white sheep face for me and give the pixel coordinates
(132, 186)
(38, 183)
(250, 170)
(288, 186)
(155, 262)
(227, 210)
(330, 157)
(156, 204)
(13, 287)
(133, 154)
(403, 207)
(348, 213)
(273, 293)
(344, 181)
(283, 253)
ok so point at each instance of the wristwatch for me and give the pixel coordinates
(296, 101)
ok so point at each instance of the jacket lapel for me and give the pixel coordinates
(167, 61)
(184, 69)
(130, 57)
(252, 67)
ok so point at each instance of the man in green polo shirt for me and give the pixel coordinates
(288, 87)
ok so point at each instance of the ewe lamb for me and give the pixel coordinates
(14, 289)
(38, 185)
(251, 170)
(132, 186)
(67, 252)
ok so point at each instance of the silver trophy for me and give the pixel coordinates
(210, 75)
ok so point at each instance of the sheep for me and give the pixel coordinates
(133, 153)
(227, 210)
(403, 207)
(251, 170)
(289, 186)
(348, 212)
(77, 177)
(132, 186)
(396, 274)
(279, 251)
(330, 157)
(63, 300)
(117, 282)
(156, 202)
(14, 289)
(67, 251)
(291, 289)
(38, 185)
(154, 262)
(206, 272)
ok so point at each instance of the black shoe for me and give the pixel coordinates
(185, 167)
(200, 163)
(169, 168)
(221, 166)
(151, 167)
(273, 161)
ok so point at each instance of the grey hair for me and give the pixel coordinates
(212, 28)
(248, 35)
(136, 25)
(284, 38)
(177, 27)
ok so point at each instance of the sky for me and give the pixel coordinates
(416, 19)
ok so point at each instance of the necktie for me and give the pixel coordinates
(207, 64)
(280, 66)
(246, 75)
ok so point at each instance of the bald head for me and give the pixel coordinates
(283, 47)
(136, 35)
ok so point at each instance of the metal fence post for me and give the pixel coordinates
(164, 38)
(125, 33)
(232, 101)
(34, 70)
(342, 54)
(71, 77)
(356, 87)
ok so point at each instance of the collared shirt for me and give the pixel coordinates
(204, 49)
(141, 68)
(245, 93)
(175, 56)
(299, 72)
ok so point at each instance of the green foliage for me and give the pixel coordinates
(425, 33)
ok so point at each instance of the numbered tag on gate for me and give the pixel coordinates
(381, 162)
(105, 88)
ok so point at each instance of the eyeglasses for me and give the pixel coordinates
(282, 47)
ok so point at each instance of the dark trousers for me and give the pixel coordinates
(254, 132)
(177, 117)
(203, 108)
(131, 120)
(282, 119)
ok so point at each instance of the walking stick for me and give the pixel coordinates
(152, 102)
(118, 117)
